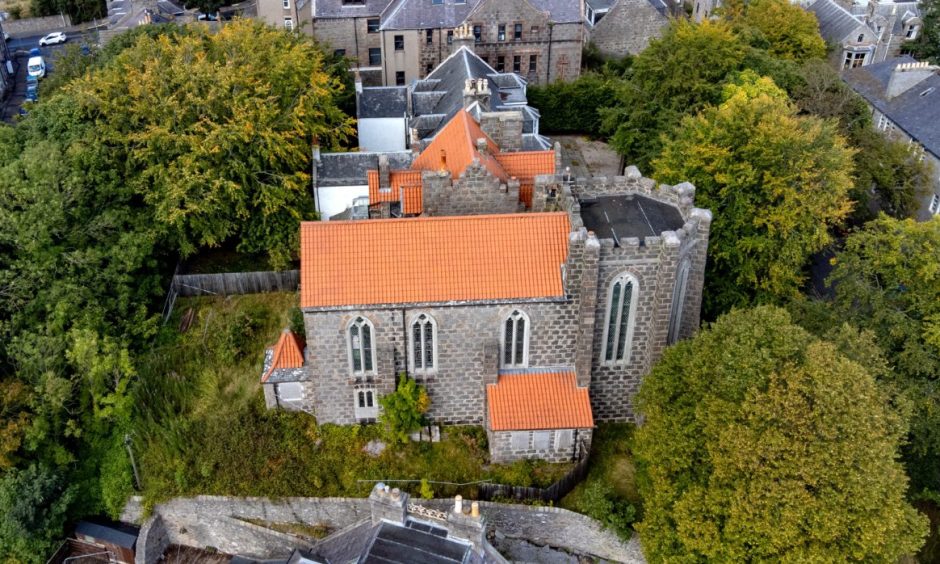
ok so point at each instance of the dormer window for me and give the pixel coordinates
(911, 32)
(861, 38)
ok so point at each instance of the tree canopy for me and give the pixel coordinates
(776, 182)
(784, 29)
(762, 442)
(163, 144)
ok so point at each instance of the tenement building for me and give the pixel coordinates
(395, 42)
(535, 324)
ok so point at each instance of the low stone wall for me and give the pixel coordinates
(219, 522)
(31, 26)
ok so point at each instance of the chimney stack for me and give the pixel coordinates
(463, 37)
(384, 174)
(906, 76)
(477, 90)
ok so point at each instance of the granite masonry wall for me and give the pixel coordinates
(475, 192)
(502, 449)
(221, 522)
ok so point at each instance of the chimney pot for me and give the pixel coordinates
(458, 504)
(396, 494)
(475, 509)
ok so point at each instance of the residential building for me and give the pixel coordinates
(124, 15)
(396, 118)
(341, 181)
(904, 96)
(895, 23)
(621, 27)
(351, 28)
(858, 42)
(534, 324)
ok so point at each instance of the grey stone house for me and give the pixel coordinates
(904, 97)
(535, 325)
(856, 40)
(895, 23)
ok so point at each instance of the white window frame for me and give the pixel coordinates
(280, 389)
(678, 301)
(285, 4)
(934, 207)
(360, 321)
(911, 32)
(542, 440)
(289, 24)
(515, 316)
(623, 278)
(519, 440)
(428, 321)
(366, 411)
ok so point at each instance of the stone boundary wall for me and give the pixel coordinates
(219, 522)
(30, 26)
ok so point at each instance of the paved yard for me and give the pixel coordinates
(588, 157)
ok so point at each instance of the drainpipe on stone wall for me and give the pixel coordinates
(404, 332)
(548, 67)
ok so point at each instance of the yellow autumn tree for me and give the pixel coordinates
(776, 181)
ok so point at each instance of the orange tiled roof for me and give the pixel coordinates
(527, 164)
(432, 259)
(542, 400)
(411, 203)
(288, 353)
(397, 179)
(455, 146)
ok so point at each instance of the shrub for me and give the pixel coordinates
(403, 411)
(601, 503)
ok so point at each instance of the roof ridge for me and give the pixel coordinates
(430, 218)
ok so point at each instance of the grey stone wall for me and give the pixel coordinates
(28, 26)
(349, 34)
(504, 128)
(502, 450)
(217, 521)
(628, 28)
(475, 192)
(152, 541)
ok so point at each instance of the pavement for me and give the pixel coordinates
(19, 53)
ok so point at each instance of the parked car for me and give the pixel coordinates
(36, 66)
(53, 38)
(32, 91)
(207, 17)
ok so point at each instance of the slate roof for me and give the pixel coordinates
(351, 169)
(432, 259)
(601, 4)
(835, 22)
(916, 111)
(618, 217)
(406, 545)
(562, 11)
(383, 101)
(336, 9)
(117, 534)
(422, 14)
(536, 400)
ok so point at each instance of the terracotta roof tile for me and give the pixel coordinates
(288, 353)
(538, 400)
(397, 179)
(526, 165)
(411, 203)
(455, 147)
(432, 259)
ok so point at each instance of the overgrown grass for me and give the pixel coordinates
(202, 427)
(611, 464)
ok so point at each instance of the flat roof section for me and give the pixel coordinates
(619, 217)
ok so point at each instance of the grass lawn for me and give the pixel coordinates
(611, 464)
(202, 428)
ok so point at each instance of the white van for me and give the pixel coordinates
(36, 66)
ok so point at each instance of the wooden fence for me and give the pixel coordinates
(553, 493)
(226, 283)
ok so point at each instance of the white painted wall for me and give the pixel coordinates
(382, 134)
(332, 200)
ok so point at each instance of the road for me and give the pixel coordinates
(19, 51)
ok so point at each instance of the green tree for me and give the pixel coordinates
(678, 74)
(926, 46)
(784, 29)
(777, 182)
(573, 107)
(887, 280)
(762, 442)
(34, 502)
(218, 128)
(403, 410)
